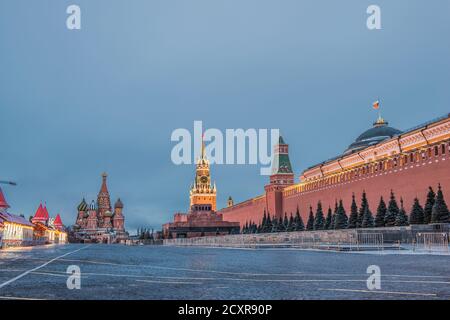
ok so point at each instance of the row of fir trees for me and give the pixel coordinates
(434, 211)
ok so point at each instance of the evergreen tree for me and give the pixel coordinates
(319, 221)
(310, 224)
(262, 226)
(291, 225)
(440, 213)
(254, 228)
(333, 217)
(417, 215)
(353, 219)
(392, 211)
(381, 214)
(401, 219)
(298, 221)
(427, 211)
(269, 226)
(245, 228)
(341, 219)
(328, 219)
(280, 225)
(367, 219)
(275, 225)
(362, 209)
(285, 223)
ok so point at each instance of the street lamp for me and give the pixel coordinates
(8, 182)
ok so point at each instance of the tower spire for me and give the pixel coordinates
(203, 146)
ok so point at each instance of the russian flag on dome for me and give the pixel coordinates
(376, 105)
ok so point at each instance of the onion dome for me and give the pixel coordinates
(92, 206)
(83, 206)
(118, 204)
(108, 214)
(380, 132)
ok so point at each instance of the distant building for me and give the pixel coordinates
(381, 159)
(14, 230)
(202, 218)
(46, 229)
(97, 222)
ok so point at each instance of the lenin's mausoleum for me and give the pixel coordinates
(381, 159)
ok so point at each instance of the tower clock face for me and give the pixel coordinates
(204, 179)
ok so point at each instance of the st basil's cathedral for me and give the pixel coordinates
(97, 222)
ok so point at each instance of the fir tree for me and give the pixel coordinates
(440, 213)
(291, 225)
(427, 211)
(254, 228)
(262, 226)
(417, 215)
(341, 219)
(333, 217)
(275, 225)
(353, 219)
(362, 209)
(280, 225)
(392, 211)
(328, 219)
(367, 219)
(401, 219)
(245, 228)
(300, 225)
(269, 226)
(310, 224)
(285, 223)
(298, 221)
(319, 221)
(381, 214)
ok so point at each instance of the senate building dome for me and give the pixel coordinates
(380, 131)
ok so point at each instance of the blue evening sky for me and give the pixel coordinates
(107, 97)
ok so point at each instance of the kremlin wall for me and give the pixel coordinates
(380, 160)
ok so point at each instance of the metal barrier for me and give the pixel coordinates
(370, 240)
(346, 240)
(432, 242)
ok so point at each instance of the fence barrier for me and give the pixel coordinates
(432, 242)
(332, 240)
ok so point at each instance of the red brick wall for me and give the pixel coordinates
(408, 182)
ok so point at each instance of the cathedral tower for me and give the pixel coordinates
(203, 193)
(103, 199)
(118, 219)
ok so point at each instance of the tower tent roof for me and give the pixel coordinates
(104, 187)
(40, 213)
(281, 163)
(3, 203)
(46, 215)
(58, 221)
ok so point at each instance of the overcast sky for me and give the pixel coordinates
(107, 97)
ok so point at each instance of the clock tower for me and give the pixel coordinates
(203, 192)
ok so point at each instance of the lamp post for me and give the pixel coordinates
(11, 183)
